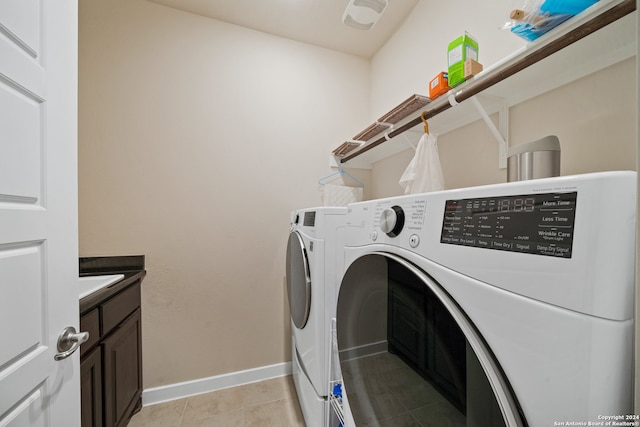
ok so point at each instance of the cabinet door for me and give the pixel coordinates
(406, 322)
(91, 389)
(90, 322)
(122, 371)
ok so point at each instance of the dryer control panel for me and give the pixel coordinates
(542, 238)
(541, 224)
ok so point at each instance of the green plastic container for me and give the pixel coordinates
(463, 48)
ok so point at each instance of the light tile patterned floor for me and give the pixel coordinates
(270, 403)
(394, 395)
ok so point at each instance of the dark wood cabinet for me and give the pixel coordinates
(422, 333)
(122, 370)
(406, 324)
(91, 388)
(111, 361)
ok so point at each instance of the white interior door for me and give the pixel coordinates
(38, 212)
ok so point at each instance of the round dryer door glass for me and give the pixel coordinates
(407, 352)
(298, 281)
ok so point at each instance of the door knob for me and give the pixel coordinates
(68, 341)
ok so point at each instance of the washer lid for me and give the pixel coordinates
(298, 280)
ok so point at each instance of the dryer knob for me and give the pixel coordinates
(392, 221)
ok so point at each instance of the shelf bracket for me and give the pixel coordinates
(502, 133)
(409, 142)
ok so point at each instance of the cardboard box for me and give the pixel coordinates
(460, 50)
(439, 85)
(471, 68)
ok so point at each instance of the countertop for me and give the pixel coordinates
(132, 266)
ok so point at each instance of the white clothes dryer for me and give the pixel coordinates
(500, 305)
(314, 262)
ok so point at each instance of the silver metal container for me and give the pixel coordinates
(536, 159)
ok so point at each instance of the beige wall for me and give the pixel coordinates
(594, 117)
(418, 50)
(196, 140)
(637, 340)
(198, 137)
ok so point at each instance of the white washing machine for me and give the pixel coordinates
(314, 262)
(508, 304)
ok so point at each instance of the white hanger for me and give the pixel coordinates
(340, 171)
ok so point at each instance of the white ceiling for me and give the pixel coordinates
(317, 22)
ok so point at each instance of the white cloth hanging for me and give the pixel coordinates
(341, 195)
(424, 172)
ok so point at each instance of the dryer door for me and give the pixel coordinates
(409, 354)
(298, 280)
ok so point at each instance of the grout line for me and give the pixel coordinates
(184, 409)
(285, 399)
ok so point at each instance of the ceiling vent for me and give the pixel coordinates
(363, 14)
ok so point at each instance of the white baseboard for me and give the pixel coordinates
(166, 393)
(364, 350)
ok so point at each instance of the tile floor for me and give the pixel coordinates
(388, 393)
(393, 395)
(270, 403)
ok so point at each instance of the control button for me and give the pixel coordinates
(374, 235)
(392, 221)
(414, 240)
